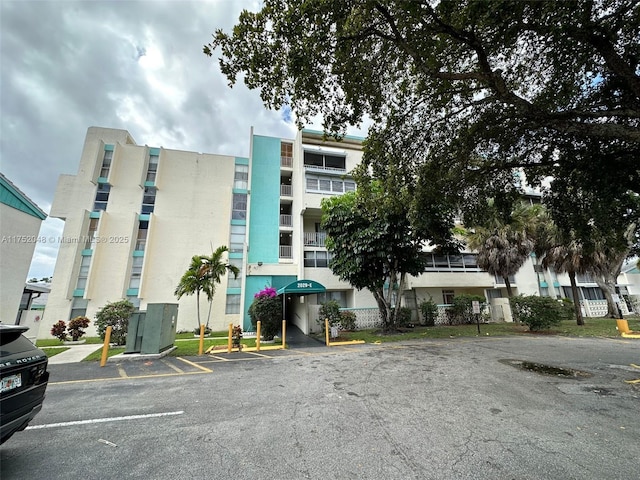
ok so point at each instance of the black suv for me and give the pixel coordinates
(23, 380)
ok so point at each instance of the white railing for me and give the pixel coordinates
(286, 220)
(286, 162)
(323, 168)
(286, 251)
(314, 239)
(286, 191)
(600, 308)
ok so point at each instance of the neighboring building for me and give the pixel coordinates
(20, 220)
(135, 215)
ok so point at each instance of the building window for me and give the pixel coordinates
(318, 184)
(102, 197)
(316, 259)
(340, 297)
(235, 282)
(152, 169)
(500, 280)
(447, 296)
(232, 305)
(135, 301)
(141, 240)
(325, 161)
(136, 272)
(91, 233)
(148, 200)
(236, 241)
(83, 274)
(239, 211)
(78, 307)
(241, 177)
(106, 163)
(286, 154)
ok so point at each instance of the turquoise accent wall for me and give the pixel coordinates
(241, 161)
(254, 284)
(154, 151)
(265, 201)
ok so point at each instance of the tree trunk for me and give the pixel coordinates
(576, 299)
(383, 308)
(198, 306)
(608, 287)
(508, 285)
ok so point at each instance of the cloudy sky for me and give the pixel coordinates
(135, 65)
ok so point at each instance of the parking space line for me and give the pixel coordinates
(103, 420)
(193, 364)
(171, 366)
(259, 355)
(121, 372)
(89, 380)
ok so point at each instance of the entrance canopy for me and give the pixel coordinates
(303, 287)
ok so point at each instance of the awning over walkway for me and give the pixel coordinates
(303, 287)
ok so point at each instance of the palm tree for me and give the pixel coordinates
(202, 275)
(560, 251)
(502, 243)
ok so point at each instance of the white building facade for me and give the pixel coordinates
(135, 215)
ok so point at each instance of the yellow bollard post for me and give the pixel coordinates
(326, 330)
(230, 337)
(201, 346)
(105, 346)
(258, 324)
(284, 334)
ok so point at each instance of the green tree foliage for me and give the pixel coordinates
(116, 315)
(539, 313)
(202, 275)
(477, 87)
(266, 308)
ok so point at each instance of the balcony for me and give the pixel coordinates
(286, 251)
(286, 191)
(286, 220)
(314, 239)
(286, 162)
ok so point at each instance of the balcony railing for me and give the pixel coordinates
(286, 161)
(286, 220)
(140, 244)
(314, 239)
(286, 191)
(286, 251)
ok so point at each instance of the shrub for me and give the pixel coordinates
(568, 310)
(330, 310)
(461, 310)
(267, 309)
(429, 311)
(537, 312)
(59, 330)
(348, 320)
(403, 318)
(116, 315)
(77, 326)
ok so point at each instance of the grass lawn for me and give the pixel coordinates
(594, 327)
(187, 344)
(52, 352)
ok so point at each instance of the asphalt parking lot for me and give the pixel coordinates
(434, 409)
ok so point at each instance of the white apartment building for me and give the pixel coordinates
(135, 215)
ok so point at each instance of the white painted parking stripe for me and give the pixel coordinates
(104, 420)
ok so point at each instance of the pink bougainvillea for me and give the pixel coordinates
(269, 292)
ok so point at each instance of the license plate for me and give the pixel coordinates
(10, 382)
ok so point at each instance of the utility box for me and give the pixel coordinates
(154, 331)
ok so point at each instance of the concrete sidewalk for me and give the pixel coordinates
(76, 353)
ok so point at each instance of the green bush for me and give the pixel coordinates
(461, 310)
(348, 320)
(568, 310)
(403, 318)
(330, 310)
(429, 311)
(116, 315)
(267, 308)
(538, 313)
